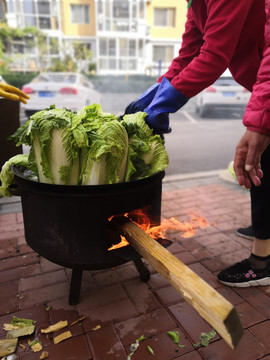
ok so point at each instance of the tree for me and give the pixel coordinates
(66, 64)
(31, 37)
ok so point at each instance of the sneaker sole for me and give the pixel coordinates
(244, 236)
(261, 282)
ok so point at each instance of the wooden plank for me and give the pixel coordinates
(209, 304)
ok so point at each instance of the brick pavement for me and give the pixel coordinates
(119, 307)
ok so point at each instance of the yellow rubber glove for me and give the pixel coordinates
(12, 93)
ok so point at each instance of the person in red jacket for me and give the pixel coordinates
(221, 34)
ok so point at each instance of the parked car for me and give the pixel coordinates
(225, 93)
(2, 80)
(69, 90)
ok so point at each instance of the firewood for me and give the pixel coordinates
(209, 304)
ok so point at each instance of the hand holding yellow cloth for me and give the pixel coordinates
(12, 93)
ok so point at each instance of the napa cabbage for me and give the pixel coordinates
(6, 175)
(90, 147)
(104, 161)
(147, 154)
(55, 143)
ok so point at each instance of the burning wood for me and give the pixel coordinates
(210, 305)
(187, 228)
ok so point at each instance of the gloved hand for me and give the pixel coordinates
(143, 101)
(167, 100)
(12, 93)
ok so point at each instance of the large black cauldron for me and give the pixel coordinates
(69, 225)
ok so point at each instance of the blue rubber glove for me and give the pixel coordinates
(143, 101)
(167, 100)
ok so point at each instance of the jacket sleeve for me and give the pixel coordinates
(191, 44)
(202, 59)
(257, 115)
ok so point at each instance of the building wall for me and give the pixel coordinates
(123, 35)
(165, 33)
(76, 29)
(174, 32)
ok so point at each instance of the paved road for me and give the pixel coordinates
(194, 144)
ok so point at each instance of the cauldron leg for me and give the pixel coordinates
(142, 269)
(75, 287)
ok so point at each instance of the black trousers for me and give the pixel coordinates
(260, 201)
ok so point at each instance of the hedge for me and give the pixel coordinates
(18, 79)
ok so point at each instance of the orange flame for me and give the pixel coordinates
(187, 228)
(122, 243)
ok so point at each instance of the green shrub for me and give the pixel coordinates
(122, 83)
(18, 79)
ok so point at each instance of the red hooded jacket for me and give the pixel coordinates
(220, 34)
(257, 116)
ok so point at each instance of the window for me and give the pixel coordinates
(30, 21)
(162, 53)
(107, 47)
(127, 47)
(164, 17)
(134, 10)
(132, 48)
(10, 5)
(44, 22)
(80, 14)
(127, 64)
(112, 64)
(29, 7)
(43, 7)
(141, 48)
(18, 7)
(103, 47)
(123, 44)
(120, 9)
(120, 25)
(17, 48)
(141, 9)
(112, 47)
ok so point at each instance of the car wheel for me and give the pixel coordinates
(203, 111)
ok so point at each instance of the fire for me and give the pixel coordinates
(122, 243)
(187, 228)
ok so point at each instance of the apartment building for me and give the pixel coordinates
(138, 36)
(166, 20)
(124, 36)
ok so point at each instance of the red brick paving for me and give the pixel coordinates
(119, 307)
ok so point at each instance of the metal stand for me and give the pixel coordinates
(76, 280)
(142, 269)
(75, 287)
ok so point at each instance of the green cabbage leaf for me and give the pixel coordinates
(147, 154)
(7, 176)
(89, 147)
(104, 160)
(55, 142)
